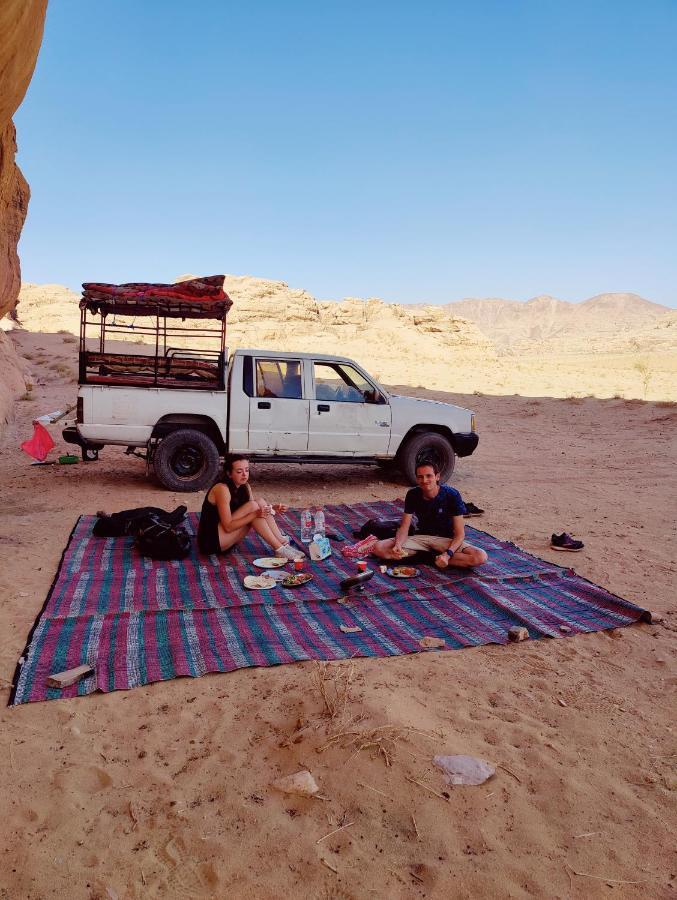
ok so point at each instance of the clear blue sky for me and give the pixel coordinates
(418, 151)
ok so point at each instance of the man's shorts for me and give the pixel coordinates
(417, 542)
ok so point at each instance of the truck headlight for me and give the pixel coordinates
(473, 422)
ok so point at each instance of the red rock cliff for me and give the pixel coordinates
(21, 26)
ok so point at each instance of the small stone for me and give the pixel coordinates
(518, 634)
(432, 643)
(301, 783)
(464, 769)
(565, 629)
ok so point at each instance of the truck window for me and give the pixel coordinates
(342, 383)
(279, 378)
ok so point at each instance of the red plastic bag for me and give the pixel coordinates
(40, 444)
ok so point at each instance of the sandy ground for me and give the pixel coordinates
(164, 791)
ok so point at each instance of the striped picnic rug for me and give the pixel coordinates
(137, 621)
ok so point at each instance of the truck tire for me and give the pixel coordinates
(186, 460)
(427, 443)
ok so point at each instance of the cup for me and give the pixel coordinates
(298, 565)
(362, 565)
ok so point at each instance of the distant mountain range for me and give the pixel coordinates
(543, 318)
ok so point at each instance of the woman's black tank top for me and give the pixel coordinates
(208, 529)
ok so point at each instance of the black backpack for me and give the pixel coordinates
(381, 528)
(128, 521)
(162, 540)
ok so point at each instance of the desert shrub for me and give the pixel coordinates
(643, 366)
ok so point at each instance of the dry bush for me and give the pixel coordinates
(334, 684)
(344, 722)
(643, 366)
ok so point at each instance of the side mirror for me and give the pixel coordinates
(374, 396)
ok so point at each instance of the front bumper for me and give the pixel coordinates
(465, 443)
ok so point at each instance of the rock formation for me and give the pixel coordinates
(418, 346)
(21, 26)
(545, 318)
(397, 344)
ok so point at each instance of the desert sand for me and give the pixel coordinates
(164, 791)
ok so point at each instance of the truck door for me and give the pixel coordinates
(278, 412)
(348, 415)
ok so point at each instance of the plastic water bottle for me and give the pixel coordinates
(319, 523)
(306, 526)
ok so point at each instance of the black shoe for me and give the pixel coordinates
(472, 510)
(564, 541)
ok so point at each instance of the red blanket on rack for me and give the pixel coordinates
(208, 288)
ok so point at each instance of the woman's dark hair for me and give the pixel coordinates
(231, 459)
(228, 464)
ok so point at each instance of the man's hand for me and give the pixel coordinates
(280, 507)
(442, 561)
(397, 549)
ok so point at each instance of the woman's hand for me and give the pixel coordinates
(265, 508)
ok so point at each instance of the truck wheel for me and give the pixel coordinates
(431, 444)
(186, 460)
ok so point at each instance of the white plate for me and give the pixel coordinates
(259, 582)
(277, 575)
(270, 562)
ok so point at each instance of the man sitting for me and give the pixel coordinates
(439, 510)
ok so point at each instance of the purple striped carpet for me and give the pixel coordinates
(138, 621)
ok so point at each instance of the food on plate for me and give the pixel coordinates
(259, 582)
(404, 571)
(297, 580)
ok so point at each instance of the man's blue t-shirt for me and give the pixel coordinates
(435, 516)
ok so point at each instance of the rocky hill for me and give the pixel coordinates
(398, 344)
(596, 348)
(545, 318)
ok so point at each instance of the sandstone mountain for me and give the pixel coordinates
(545, 318)
(423, 346)
(398, 344)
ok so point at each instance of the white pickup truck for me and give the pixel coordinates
(275, 407)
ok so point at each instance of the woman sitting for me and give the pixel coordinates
(229, 510)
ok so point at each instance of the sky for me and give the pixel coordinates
(413, 151)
